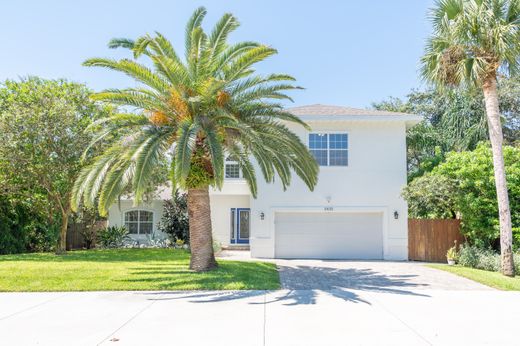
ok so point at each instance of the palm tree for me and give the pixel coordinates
(196, 111)
(474, 40)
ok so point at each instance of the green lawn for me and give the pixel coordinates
(487, 278)
(128, 269)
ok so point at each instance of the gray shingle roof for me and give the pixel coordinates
(319, 109)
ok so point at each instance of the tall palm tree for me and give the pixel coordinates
(474, 40)
(197, 111)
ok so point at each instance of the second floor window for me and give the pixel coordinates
(232, 169)
(329, 149)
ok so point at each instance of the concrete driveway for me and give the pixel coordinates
(322, 303)
(378, 276)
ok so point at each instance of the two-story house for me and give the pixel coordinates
(355, 212)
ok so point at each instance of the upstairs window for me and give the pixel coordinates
(232, 169)
(139, 221)
(329, 149)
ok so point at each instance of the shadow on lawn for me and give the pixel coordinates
(303, 285)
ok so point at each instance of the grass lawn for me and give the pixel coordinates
(128, 269)
(485, 277)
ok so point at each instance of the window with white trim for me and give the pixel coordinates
(329, 149)
(139, 221)
(232, 169)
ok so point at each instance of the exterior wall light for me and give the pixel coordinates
(262, 215)
(396, 215)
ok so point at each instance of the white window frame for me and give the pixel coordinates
(230, 162)
(138, 222)
(328, 133)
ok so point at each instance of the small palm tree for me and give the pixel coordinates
(473, 41)
(196, 111)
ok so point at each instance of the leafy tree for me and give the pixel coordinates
(455, 120)
(431, 197)
(198, 109)
(42, 124)
(476, 193)
(472, 40)
(175, 221)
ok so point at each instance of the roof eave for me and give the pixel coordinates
(412, 119)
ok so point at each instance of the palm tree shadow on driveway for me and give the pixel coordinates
(303, 284)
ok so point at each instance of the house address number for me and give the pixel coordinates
(328, 208)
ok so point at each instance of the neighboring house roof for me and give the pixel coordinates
(319, 109)
(319, 112)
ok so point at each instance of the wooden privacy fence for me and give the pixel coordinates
(430, 239)
(75, 238)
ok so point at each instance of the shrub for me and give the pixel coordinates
(431, 197)
(174, 221)
(24, 230)
(474, 257)
(468, 256)
(464, 185)
(476, 198)
(516, 238)
(113, 236)
(516, 259)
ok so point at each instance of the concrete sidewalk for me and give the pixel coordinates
(285, 317)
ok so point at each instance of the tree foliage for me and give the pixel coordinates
(42, 129)
(464, 184)
(196, 109)
(454, 120)
(175, 221)
(431, 197)
(22, 228)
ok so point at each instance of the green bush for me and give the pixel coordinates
(475, 257)
(23, 230)
(113, 236)
(464, 185)
(476, 199)
(516, 238)
(174, 221)
(431, 197)
(468, 256)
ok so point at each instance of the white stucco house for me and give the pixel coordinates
(355, 212)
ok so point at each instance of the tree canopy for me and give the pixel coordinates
(198, 110)
(454, 120)
(43, 138)
(464, 186)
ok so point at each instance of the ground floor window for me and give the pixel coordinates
(139, 221)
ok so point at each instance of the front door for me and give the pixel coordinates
(240, 225)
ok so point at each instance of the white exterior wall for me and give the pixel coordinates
(221, 214)
(116, 215)
(371, 182)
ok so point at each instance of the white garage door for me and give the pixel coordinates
(329, 235)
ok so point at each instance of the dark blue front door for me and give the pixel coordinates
(240, 225)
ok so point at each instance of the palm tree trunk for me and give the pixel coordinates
(201, 239)
(496, 138)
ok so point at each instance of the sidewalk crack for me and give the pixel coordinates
(32, 307)
(400, 320)
(131, 319)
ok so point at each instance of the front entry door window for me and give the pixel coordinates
(240, 225)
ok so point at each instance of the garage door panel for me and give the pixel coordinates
(329, 235)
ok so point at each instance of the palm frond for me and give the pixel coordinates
(185, 146)
(132, 69)
(194, 22)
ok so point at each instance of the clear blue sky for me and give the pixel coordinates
(344, 52)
